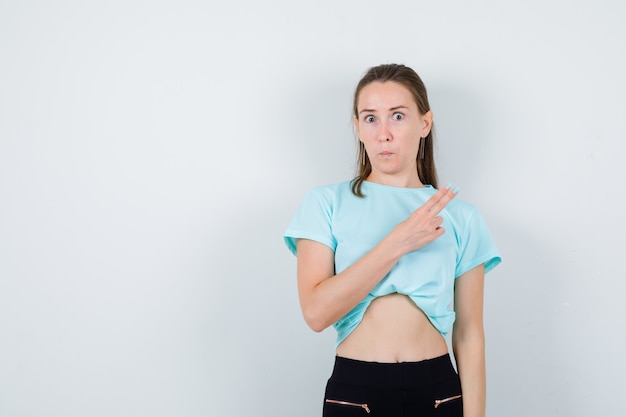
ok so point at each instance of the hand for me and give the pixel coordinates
(424, 225)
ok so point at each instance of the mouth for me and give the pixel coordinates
(385, 153)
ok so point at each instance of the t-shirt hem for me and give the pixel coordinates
(490, 260)
(291, 237)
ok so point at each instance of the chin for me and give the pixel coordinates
(389, 168)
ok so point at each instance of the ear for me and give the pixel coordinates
(427, 123)
(356, 128)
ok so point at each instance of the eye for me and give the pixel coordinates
(369, 119)
(397, 116)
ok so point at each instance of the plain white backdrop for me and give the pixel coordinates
(152, 154)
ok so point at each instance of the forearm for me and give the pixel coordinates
(332, 298)
(469, 352)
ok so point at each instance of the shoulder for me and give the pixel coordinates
(465, 218)
(340, 187)
(461, 210)
(475, 243)
(330, 192)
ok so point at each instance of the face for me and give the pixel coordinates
(390, 126)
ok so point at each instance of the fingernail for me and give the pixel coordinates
(456, 190)
(449, 186)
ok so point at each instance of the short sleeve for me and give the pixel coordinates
(476, 246)
(313, 220)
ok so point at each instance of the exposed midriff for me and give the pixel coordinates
(393, 329)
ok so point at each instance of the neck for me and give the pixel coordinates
(408, 181)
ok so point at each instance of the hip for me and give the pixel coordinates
(430, 388)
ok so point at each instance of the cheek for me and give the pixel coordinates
(366, 132)
(416, 132)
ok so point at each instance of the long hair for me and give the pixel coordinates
(425, 157)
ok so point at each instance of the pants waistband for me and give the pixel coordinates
(408, 375)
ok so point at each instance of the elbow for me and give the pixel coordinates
(316, 327)
(476, 344)
(315, 320)
(468, 339)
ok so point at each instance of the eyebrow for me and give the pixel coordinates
(374, 111)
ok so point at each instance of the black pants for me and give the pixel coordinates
(426, 388)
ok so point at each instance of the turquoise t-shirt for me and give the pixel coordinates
(352, 226)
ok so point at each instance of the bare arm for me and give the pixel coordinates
(468, 340)
(326, 297)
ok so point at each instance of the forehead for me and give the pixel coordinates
(385, 95)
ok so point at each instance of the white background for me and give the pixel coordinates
(153, 152)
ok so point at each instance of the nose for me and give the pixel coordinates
(384, 135)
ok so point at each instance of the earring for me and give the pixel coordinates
(363, 153)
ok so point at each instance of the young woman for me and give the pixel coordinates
(395, 264)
